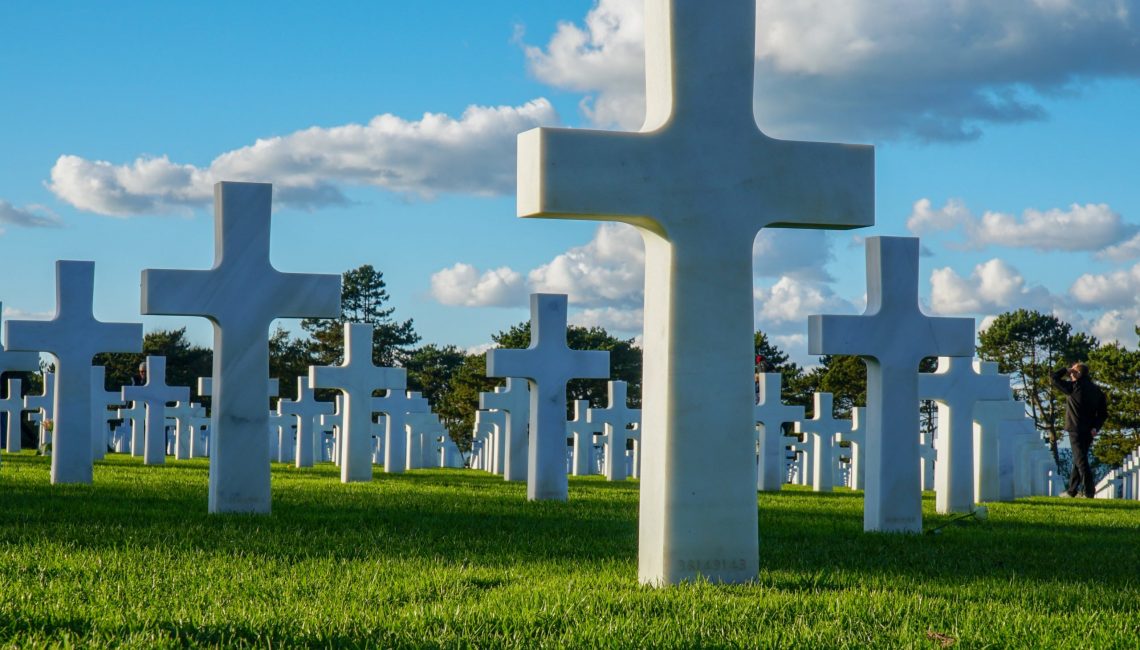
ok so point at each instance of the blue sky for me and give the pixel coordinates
(1006, 136)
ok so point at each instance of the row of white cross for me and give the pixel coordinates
(1122, 482)
(698, 182)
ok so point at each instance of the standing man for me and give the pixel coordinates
(1085, 412)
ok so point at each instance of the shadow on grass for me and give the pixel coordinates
(809, 541)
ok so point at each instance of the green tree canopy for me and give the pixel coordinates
(1117, 370)
(625, 360)
(363, 296)
(1029, 345)
(185, 362)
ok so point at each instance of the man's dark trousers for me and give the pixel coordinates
(1081, 472)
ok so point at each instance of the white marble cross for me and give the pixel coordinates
(101, 400)
(821, 432)
(135, 414)
(18, 361)
(770, 414)
(857, 436)
(241, 295)
(489, 425)
(199, 432)
(306, 409)
(612, 421)
(582, 432)
(183, 413)
(548, 364)
(957, 386)
(397, 405)
(155, 394)
(514, 400)
(698, 182)
(42, 404)
(357, 378)
(11, 409)
(893, 336)
(73, 337)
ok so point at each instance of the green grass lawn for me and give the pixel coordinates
(459, 558)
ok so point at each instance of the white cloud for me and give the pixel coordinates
(610, 318)
(1118, 288)
(1080, 228)
(1118, 325)
(1128, 250)
(870, 69)
(1090, 227)
(463, 285)
(474, 154)
(30, 216)
(480, 349)
(924, 219)
(993, 286)
(802, 253)
(785, 305)
(608, 271)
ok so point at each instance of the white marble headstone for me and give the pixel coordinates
(548, 364)
(698, 181)
(73, 336)
(241, 295)
(893, 336)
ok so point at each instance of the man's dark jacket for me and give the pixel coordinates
(1085, 406)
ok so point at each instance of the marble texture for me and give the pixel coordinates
(154, 394)
(488, 425)
(183, 413)
(548, 364)
(133, 417)
(12, 410)
(770, 414)
(357, 377)
(989, 417)
(892, 337)
(822, 430)
(306, 409)
(613, 421)
(581, 432)
(73, 336)
(513, 399)
(698, 181)
(241, 296)
(397, 405)
(42, 406)
(101, 400)
(957, 385)
(857, 436)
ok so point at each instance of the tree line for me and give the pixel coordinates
(1027, 345)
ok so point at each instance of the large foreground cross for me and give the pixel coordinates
(73, 337)
(699, 181)
(893, 336)
(241, 295)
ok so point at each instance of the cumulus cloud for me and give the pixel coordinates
(31, 216)
(1091, 227)
(621, 319)
(924, 219)
(1122, 252)
(1117, 288)
(1117, 325)
(870, 69)
(785, 305)
(474, 154)
(609, 271)
(993, 286)
(463, 285)
(800, 253)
